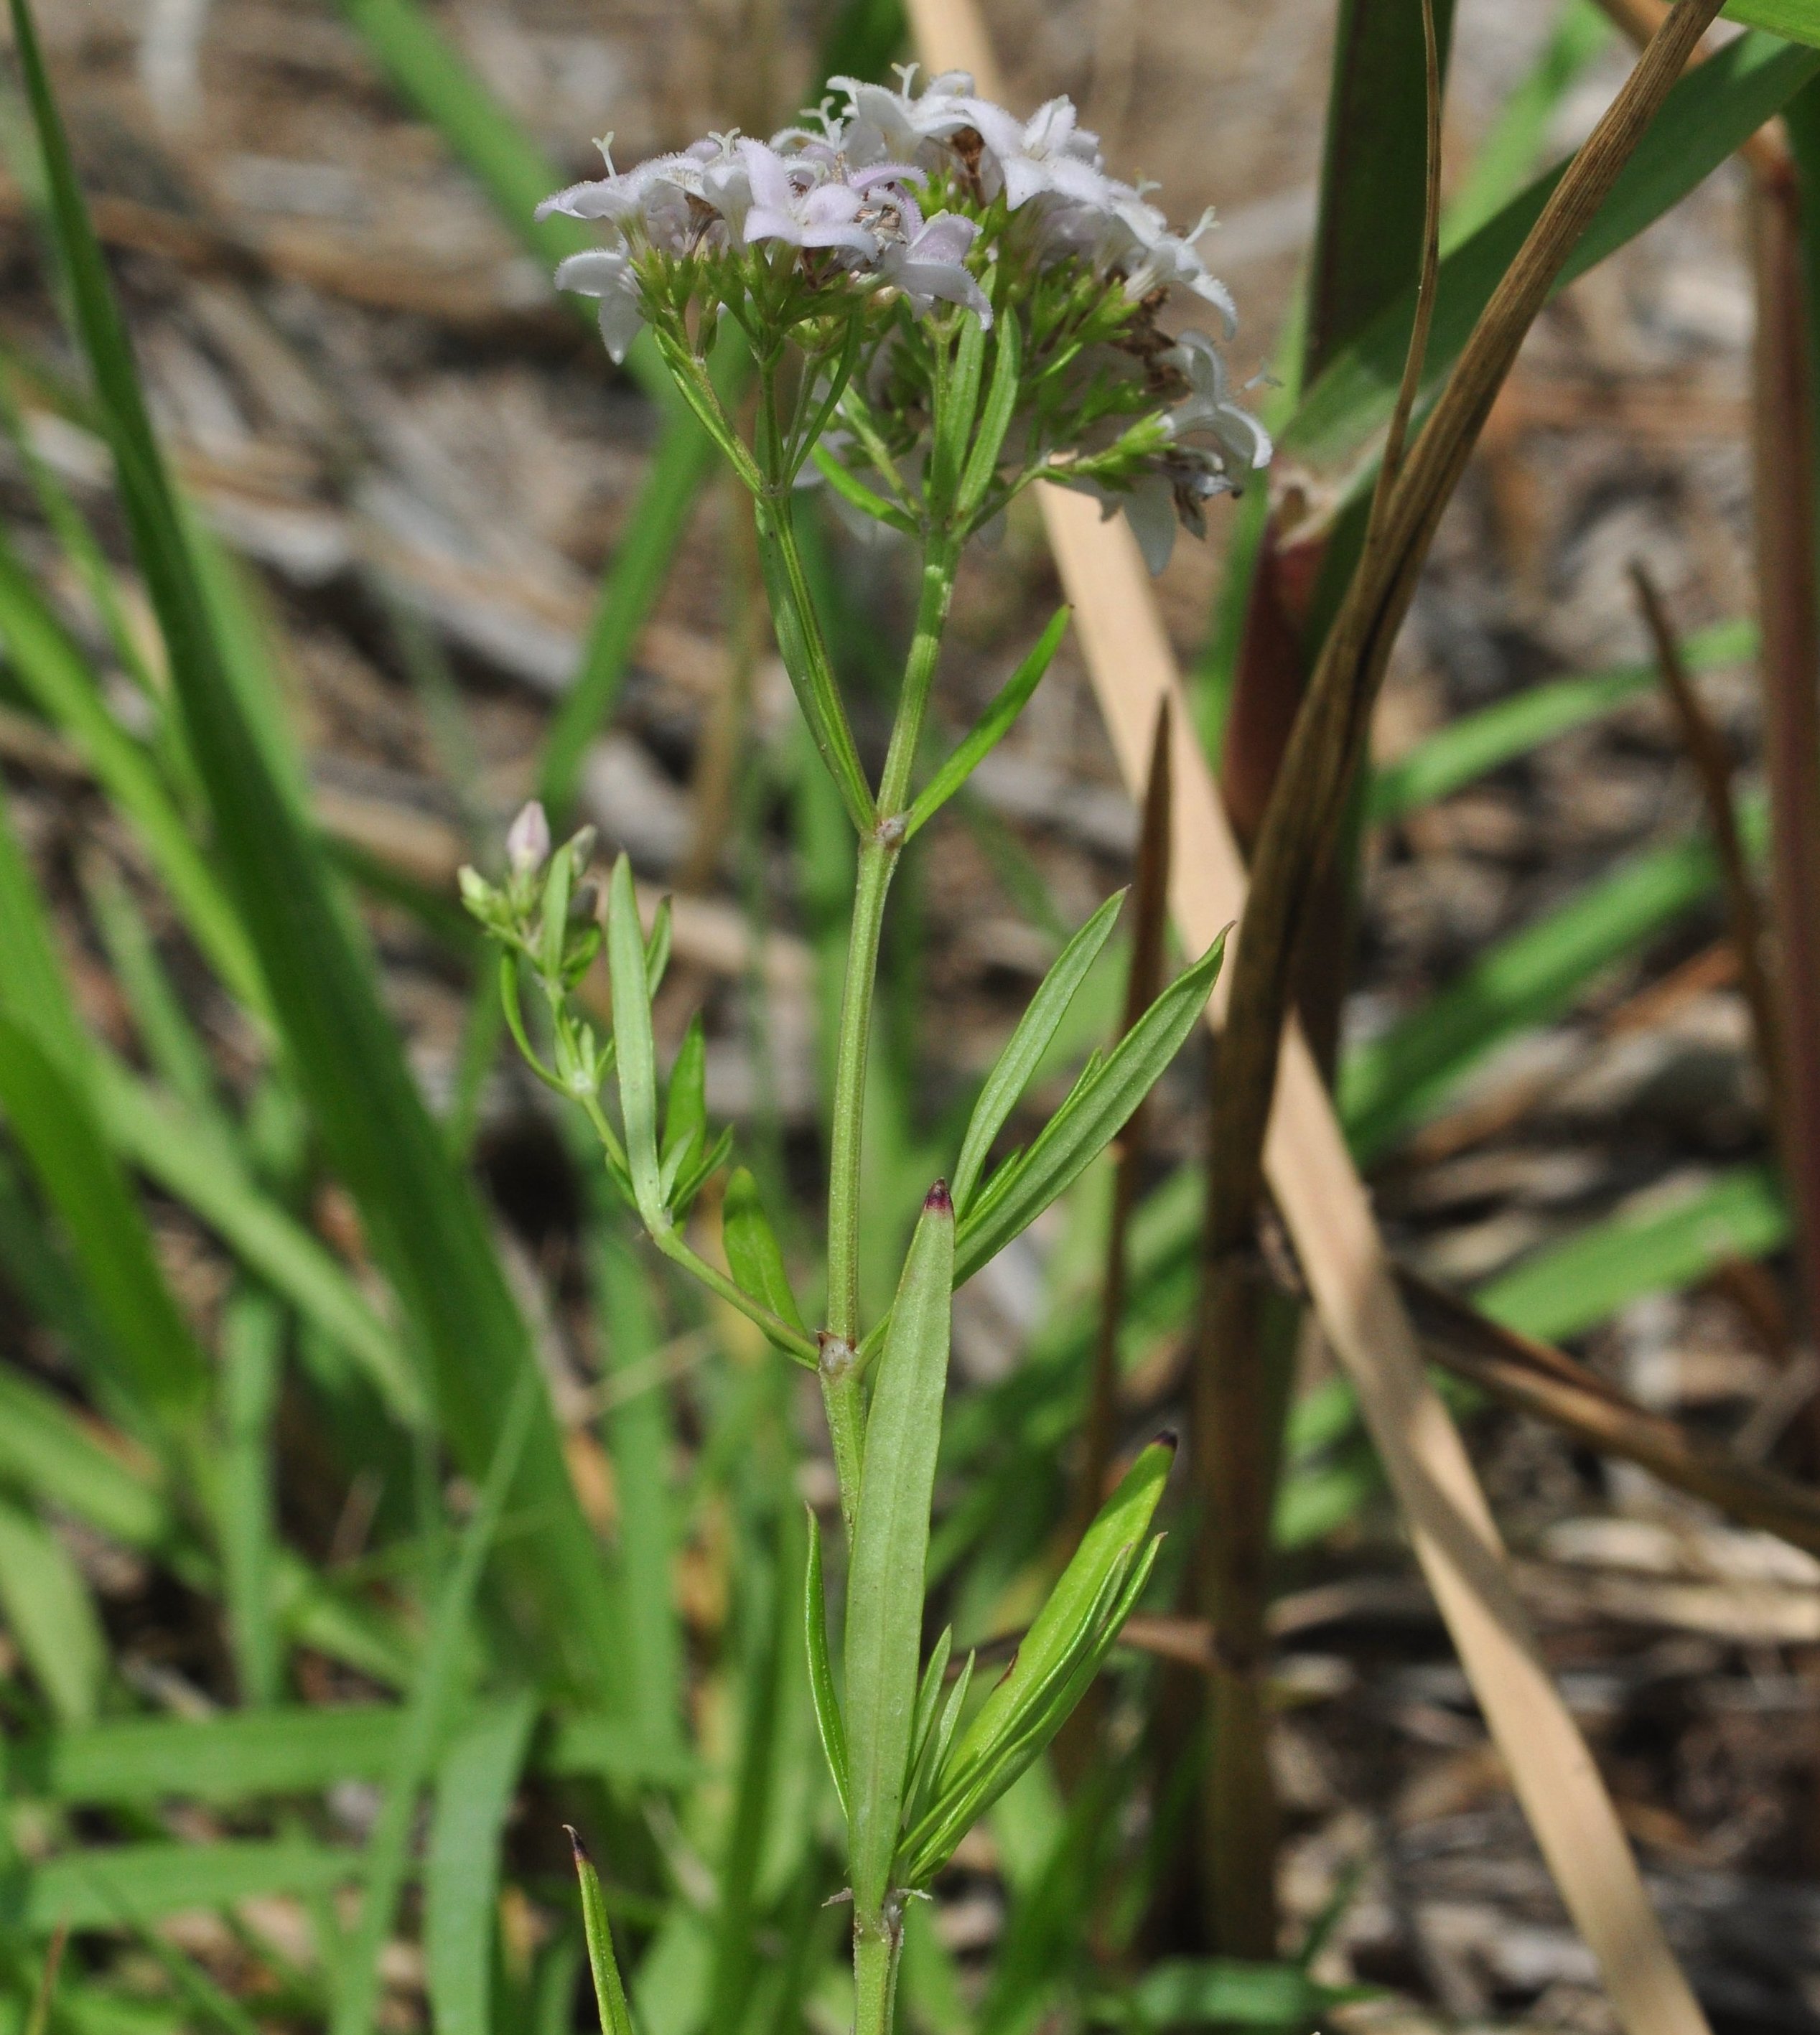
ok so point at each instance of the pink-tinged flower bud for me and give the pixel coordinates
(528, 840)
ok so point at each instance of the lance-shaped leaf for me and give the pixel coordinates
(957, 400)
(609, 1993)
(890, 1548)
(990, 729)
(976, 1787)
(1058, 1630)
(1713, 108)
(829, 1722)
(1059, 1656)
(752, 1251)
(1027, 1045)
(995, 419)
(1091, 1118)
(635, 1050)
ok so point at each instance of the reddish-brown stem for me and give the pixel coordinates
(1783, 416)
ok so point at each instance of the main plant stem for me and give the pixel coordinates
(875, 1950)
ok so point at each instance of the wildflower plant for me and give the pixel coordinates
(943, 304)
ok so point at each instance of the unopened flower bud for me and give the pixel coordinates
(528, 840)
(581, 848)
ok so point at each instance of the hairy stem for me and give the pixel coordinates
(875, 1949)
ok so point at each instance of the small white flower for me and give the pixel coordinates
(1208, 411)
(930, 264)
(884, 126)
(1047, 153)
(803, 201)
(607, 272)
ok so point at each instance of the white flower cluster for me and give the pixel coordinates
(797, 190)
(843, 191)
(847, 190)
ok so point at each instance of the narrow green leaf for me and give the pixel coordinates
(171, 1042)
(635, 1049)
(641, 1438)
(990, 729)
(51, 1616)
(995, 419)
(829, 1723)
(1713, 108)
(890, 1547)
(96, 1887)
(188, 1161)
(51, 1119)
(434, 1689)
(1505, 158)
(1390, 1084)
(243, 1756)
(1012, 1069)
(957, 402)
(753, 1248)
(685, 1097)
(1224, 1992)
(1478, 743)
(57, 675)
(476, 1782)
(1369, 228)
(1567, 1288)
(1057, 1632)
(1798, 19)
(609, 1994)
(1081, 1129)
(252, 1342)
(424, 1223)
(47, 1450)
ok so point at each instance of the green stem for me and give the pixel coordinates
(878, 857)
(876, 1944)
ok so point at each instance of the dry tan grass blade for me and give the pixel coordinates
(1349, 1276)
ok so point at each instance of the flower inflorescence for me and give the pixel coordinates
(854, 242)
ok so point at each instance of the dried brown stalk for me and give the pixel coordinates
(1707, 752)
(1790, 675)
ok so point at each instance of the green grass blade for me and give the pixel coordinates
(1394, 1082)
(189, 1160)
(1478, 743)
(241, 1756)
(433, 1691)
(1714, 108)
(1567, 1288)
(47, 1450)
(641, 1438)
(51, 1616)
(55, 1130)
(1368, 232)
(476, 1782)
(252, 1343)
(609, 1993)
(177, 1054)
(1226, 1993)
(890, 1548)
(422, 1218)
(1798, 19)
(1504, 162)
(92, 1888)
